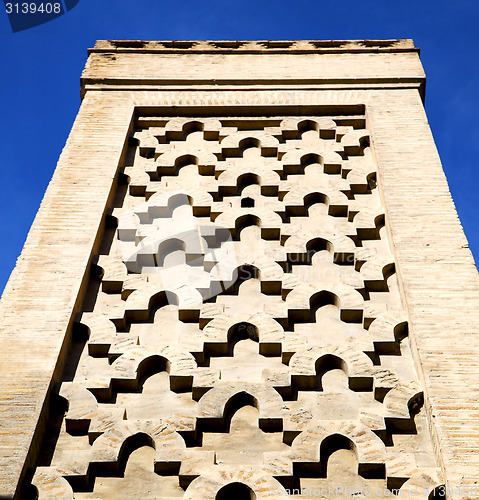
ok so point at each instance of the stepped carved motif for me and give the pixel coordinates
(243, 334)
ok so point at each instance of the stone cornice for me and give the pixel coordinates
(256, 46)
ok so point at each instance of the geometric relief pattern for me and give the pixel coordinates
(243, 334)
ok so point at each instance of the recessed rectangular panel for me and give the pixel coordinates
(243, 328)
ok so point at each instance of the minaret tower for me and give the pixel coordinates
(247, 280)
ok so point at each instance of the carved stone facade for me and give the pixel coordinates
(241, 317)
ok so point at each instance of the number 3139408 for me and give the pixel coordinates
(33, 8)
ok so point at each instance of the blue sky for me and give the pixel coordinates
(40, 78)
